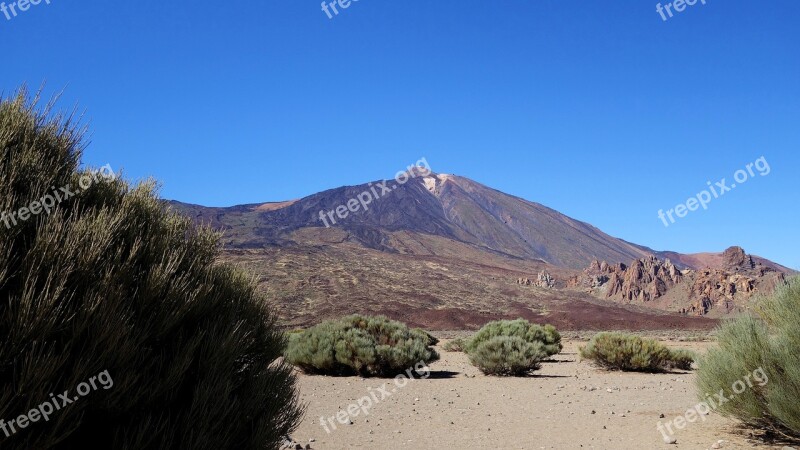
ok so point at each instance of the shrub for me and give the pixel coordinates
(508, 355)
(528, 332)
(456, 345)
(110, 280)
(761, 348)
(367, 346)
(620, 351)
(681, 359)
(432, 340)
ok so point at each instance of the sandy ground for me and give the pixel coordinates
(567, 405)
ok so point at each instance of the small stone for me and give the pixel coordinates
(670, 440)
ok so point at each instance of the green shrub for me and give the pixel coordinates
(432, 340)
(546, 335)
(681, 359)
(764, 349)
(110, 280)
(456, 345)
(367, 346)
(508, 355)
(620, 351)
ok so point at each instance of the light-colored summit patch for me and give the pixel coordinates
(430, 184)
(434, 183)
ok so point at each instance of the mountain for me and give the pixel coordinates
(446, 206)
(436, 250)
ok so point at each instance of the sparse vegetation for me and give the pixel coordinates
(110, 280)
(621, 351)
(767, 345)
(367, 346)
(455, 345)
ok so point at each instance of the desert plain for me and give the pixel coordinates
(567, 404)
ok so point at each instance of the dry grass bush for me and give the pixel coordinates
(627, 352)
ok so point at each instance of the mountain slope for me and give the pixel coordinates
(447, 206)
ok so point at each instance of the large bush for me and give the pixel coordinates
(512, 347)
(546, 335)
(758, 355)
(109, 280)
(621, 351)
(508, 355)
(367, 346)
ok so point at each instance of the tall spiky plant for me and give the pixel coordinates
(758, 355)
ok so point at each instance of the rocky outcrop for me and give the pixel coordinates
(737, 282)
(543, 279)
(645, 280)
(736, 260)
(595, 276)
(727, 289)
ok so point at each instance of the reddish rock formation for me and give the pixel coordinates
(740, 279)
(646, 279)
(736, 260)
(729, 289)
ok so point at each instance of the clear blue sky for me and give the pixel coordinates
(600, 110)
